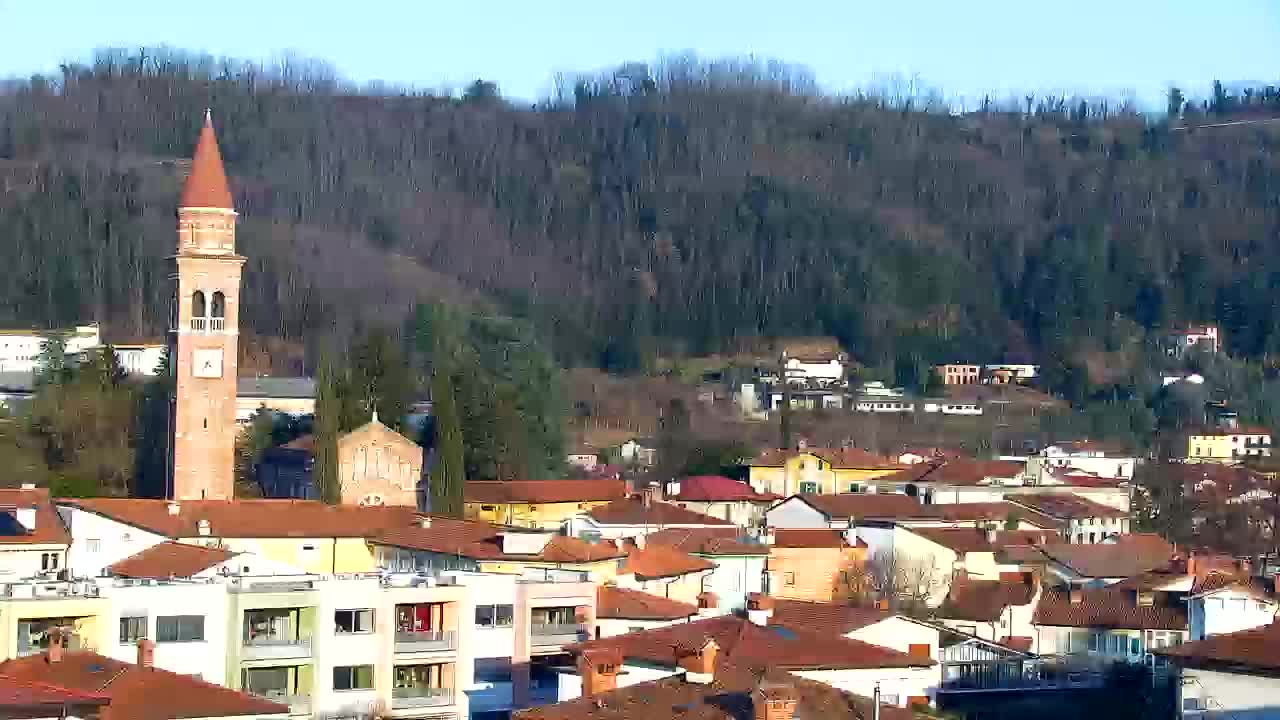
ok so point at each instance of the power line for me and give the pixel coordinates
(1225, 124)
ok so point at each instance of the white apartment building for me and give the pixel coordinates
(20, 349)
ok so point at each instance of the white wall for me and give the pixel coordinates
(609, 627)
(115, 541)
(1229, 610)
(735, 577)
(795, 513)
(333, 650)
(21, 561)
(206, 659)
(903, 682)
(899, 634)
(1230, 695)
(571, 682)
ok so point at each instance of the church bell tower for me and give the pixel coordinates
(206, 330)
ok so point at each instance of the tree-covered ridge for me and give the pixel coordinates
(670, 207)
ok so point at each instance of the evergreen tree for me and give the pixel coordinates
(447, 471)
(328, 425)
(378, 381)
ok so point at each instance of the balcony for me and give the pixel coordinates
(433, 641)
(565, 634)
(276, 648)
(298, 704)
(208, 324)
(418, 697)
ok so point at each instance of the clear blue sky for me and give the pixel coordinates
(965, 48)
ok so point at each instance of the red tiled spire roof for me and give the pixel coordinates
(207, 184)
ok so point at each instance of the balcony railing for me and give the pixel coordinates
(271, 648)
(414, 697)
(432, 641)
(208, 324)
(558, 634)
(298, 704)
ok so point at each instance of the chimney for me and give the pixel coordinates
(146, 653)
(174, 507)
(882, 604)
(698, 661)
(202, 528)
(759, 608)
(1192, 565)
(28, 486)
(648, 494)
(1146, 598)
(775, 701)
(26, 516)
(1076, 595)
(992, 534)
(57, 645)
(599, 670)
(424, 522)
(707, 603)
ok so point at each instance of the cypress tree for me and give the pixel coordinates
(447, 473)
(327, 426)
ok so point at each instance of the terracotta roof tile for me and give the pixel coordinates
(1253, 648)
(842, 458)
(732, 695)
(662, 561)
(715, 488)
(543, 491)
(48, 530)
(1107, 608)
(744, 643)
(206, 185)
(1129, 555)
(250, 518)
(1017, 642)
(1213, 581)
(138, 693)
(1066, 506)
(992, 511)
(984, 600)
(708, 541)
(634, 511)
(31, 694)
(170, 560)
(857, 506)
(968, 472)
(960, 540)
(1010, 538)
(809, 538)
(826, 617)
(617, 603)
(482, 541)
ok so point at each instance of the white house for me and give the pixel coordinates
(33, 542)
(139, 359)
(999, 611)
(740, 562)
(623, 610)
(1235, 675)
(1090, 457)
(20, 349)
(635, 517)
(1083, 520)
(823, 372)
(1218, 604)
(1202, 337)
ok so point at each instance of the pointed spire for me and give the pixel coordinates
(207, 184)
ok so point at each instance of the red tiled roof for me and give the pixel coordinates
(543, 491)
(984, 600)
(842, 458)
(662, 561)
(170, 560)
(633, 511)
(1107, 608)
(1253, 648)
(49, 529)
(138, 693)
(1000, 511)
(1066, 506)
(30, 695)
(715, 488)
(960, 540)
(1213, 581)
(1010, 538)
(1017, 642)
(857, 506)
(617, 603)
(825, 617)
(206, 186)
(707, 541)
(1129, 555)
(732, 695)
(250, 518)
(482, 541)
(743, 642)
(809, 538)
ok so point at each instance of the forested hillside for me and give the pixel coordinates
(673, 207)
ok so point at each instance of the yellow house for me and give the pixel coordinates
(1228, 445)
(28, 614)
(544, 504)
(309, 535)
(816, 470)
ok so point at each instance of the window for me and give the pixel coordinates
(197, 304)
(180, 628)
(93, 545)
(349, 622)
(493, 615)
(353, 677)
(789, 578)
(49, 561)
(809, 487)
(132, 629)
(634, 628)
(219, 305)
(855, 487)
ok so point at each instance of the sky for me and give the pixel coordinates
(1120, 48)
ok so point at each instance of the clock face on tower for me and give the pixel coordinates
(207, 363)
